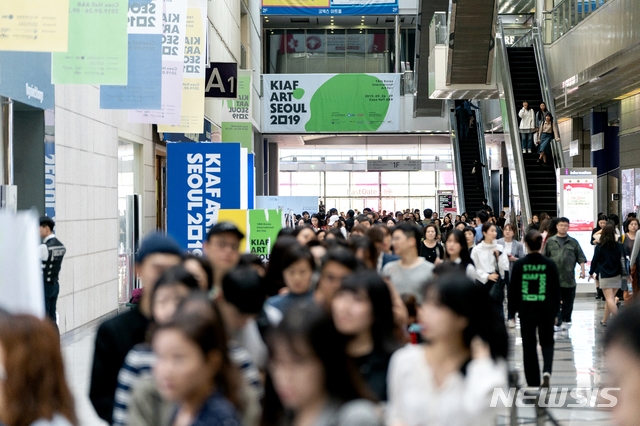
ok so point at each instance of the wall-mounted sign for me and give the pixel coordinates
(394, 165)
(597, 142)
(329, 7)
(221, 80)
(574, 148)
(298, 103)
(445, 202)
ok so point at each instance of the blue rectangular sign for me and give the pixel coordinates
(26, 77)
(329, 7)
(202, 178)
(251, 168)
(143, 88)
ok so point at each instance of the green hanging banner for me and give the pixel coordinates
(236, 114)
(98, 45)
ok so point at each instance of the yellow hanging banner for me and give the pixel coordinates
(34, 25)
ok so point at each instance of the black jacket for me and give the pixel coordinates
(535, 287)
(606, 261)
(115, 338)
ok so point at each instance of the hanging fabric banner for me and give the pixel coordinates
(174, 20)
(34, 25)
(145, 60)
(26, 77)
(236, 114)
(192, 116)
(98, 48)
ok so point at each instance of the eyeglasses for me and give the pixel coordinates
(225, 245)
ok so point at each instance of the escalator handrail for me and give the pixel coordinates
(455, 151)
(486, 173)
(517, 160)
(547, 92)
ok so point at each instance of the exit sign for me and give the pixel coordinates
(394, 165)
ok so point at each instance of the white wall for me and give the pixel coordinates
(87, 196)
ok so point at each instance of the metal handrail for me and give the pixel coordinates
(486, 176)
(547, 92)
(524, 40)
(516, 160)
(455, 151)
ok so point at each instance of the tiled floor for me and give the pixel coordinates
(578, 362)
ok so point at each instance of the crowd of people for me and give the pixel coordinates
(357, 319)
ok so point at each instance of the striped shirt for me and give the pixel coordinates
(137, 365)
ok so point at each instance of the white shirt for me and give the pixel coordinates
(462, 400)
(507, 247)
(528, 117)
(485, 261)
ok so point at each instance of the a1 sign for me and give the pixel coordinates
(222, 80)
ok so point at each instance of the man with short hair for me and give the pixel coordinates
(428, 215)
(350, 222)
(364, 221)
(222, 248)
(411, 272)
(305, 217)
(52, 252)
(486, 207)
(337, 263)
(480, 219)
(116, 336)
(565, 251)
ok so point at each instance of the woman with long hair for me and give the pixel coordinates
(514, 250)
(311, 379)
(33, 389)
(449, 380)
(597, 231)
(362, 310)
(193, 369)
(547, 132)
(457, 252)
(491, 262)
(606, 266)
(446, 227)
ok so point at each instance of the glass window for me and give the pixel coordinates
(394, 178)
(333, 178)
(422, 190)
(423, 177)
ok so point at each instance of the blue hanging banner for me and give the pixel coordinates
(26, 77)
(202, 178)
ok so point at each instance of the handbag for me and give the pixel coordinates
(496, 292)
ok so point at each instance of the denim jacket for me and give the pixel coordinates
(565, 258)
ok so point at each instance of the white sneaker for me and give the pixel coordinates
(529, 151)
(511, 323)
(546, 380)
(524, 151)
(556, 328)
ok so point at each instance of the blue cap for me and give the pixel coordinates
(157, 243)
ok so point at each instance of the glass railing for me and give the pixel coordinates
(566, 15)
(438, 30)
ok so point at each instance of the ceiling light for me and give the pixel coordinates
(519, 16)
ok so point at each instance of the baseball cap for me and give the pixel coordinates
(333, 219)
(222, 227)
(157, 243)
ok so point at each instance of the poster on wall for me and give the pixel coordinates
(49, 164)
(174, 24)
(144, 74)
(329, 7)
(298, 103)
(445, 202)
(34, 25)
(260, 228)
(236, 114)
(192, 105)
(98, 47)
(578, 202)
(202, 179)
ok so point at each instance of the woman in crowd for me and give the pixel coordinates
(312, 376)
(321, 234)
(622, 354)
(274, 282)
(390, 222)
(298, 266)
(514, 250)
(201, 269)
(193, 369)
(544, 228)
(336, 234)
(547, 132)
(316, 223)
(173, 286)
(597, 231)
(430, 248)
(446, 227)
(450, 379)
(304, 234)
(362, 310)
(634, 256)
(491, 263)
(458, 218)
(457, 251)
(33, 390)
(606, 266)
(364, 250)
(470, 237)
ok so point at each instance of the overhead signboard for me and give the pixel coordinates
(298, 103)
(34, 25)
(330, 7)
(394, 165)
(221, 80)
(26, 77)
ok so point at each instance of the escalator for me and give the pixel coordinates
(541, 180)
(469, 149)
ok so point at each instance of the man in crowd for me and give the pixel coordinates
(565, 251)
(222, 250)
(336, 265)
(535, 294)
(118, 335)
(411, 272)
(52, 252)
(349, 221)
(428, 216)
